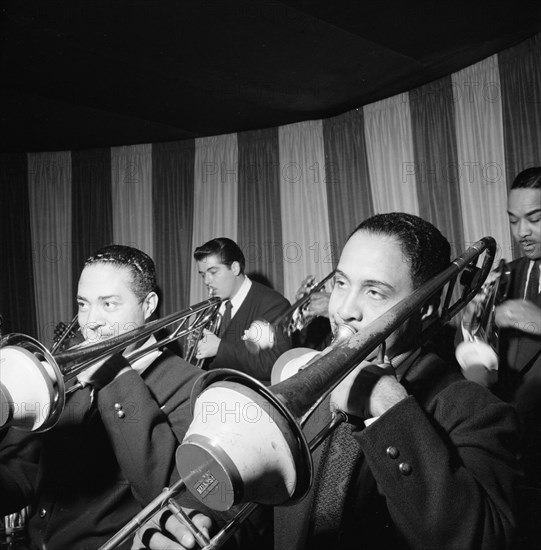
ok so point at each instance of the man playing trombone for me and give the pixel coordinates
(518, 319)
(220, 263)
(426, 458)
(113, 447)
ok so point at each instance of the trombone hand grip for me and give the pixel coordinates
(144, 515)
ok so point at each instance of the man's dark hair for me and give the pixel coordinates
(140, 265)
(228, 251)
(528, 179)
(427, 251)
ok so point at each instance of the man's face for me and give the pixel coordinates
(524, 210)
(372, 276)
(222, 280)
(107, 305)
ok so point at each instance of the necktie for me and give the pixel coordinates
(226, 319)
(521, 346)
(532, 290)
(339, 458)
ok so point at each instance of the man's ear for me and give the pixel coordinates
(235, 268)
(150, 303)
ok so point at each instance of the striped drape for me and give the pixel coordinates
(49, 192)
(289, 195)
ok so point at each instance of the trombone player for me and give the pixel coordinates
(427, 458)
(519, 321)
(113, 447)
(221, 263)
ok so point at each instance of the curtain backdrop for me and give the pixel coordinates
(520, 77)
(259, 219)
(172, 201)
(17, 298)
(481, 160)
(347, 177)
(49, 185)
(289, 195)
(92, 203)
(131, 182)
(435, 159)
(390, 155)
(305, 227)
(216, 197)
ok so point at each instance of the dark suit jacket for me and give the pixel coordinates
(459, 441)
(261, 303)
(519, 383)
(95, 469)
(520, 373)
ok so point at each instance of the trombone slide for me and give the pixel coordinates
(261, 334)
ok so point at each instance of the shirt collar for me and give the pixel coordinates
(239, 297)
(144, 362)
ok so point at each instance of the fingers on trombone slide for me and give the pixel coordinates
(167, 530)
(305, 287)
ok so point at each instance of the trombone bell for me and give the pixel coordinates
(243, 445)
(31, 385)
(477, 354)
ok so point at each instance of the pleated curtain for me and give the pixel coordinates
(290, 196)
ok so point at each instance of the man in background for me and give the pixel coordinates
(221, 263)
(519, 322)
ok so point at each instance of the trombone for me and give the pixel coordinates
(262, 335)
(193, 339)
(270, 462)
(67, 332)
(31, 374)
(478, 353)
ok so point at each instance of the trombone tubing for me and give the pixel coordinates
(301, 301)
(144, 515)
(90, 354)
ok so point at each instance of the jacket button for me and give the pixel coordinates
(405, 468)
(392, 452)
(42, 513)
(118, 407)
(121, 414)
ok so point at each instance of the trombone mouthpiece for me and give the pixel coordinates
(342, 333)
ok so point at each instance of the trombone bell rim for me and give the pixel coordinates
(43, 383)
(276, 409)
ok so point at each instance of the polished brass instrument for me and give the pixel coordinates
(269, 461)
(33, 380)
(262, 334)
(193, 339)
(478, 353)
(65, 334)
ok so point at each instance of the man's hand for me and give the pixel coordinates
(368, 391)
(307, 282)
(165, 532)
(208, 345)
(318, 306)
(474, 308)
(521, 315)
